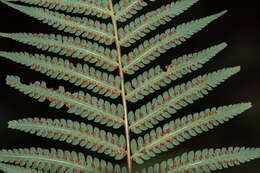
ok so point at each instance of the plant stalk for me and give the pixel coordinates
(118, 47)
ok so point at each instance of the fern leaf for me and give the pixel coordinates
(125, 9)
(175, 98)
(78, 103)
(70, 47)
(207, 160)
(153, 48)
(151, 20)
(83, 76)
(155, 78)
(74, 132)
(57, 161)
(7, 168)
(175, 132)
(87, 28)
(95, 8)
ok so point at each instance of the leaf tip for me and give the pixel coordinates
(225, 11)
(224, 44)
(236, 69)
(221, 13)
(248, 105)
(12, 80)
(11, 125)
(245, 106)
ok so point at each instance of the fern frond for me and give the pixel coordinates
(7, 168)
(57, 161)
(149, 50)
(175, 132)
(207, 160)
(74, 132)
(125, 9)
(151, 20)
(95, 8)
(78, 103)
(83, 76)
(155, 78)
(87, 28)
(70, 47)
(175, 98)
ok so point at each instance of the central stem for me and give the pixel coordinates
(118, 47)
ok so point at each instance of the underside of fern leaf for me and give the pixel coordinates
(156, 78)
(150, 21)
(78, 26)
(69, 47)
(175, 132)
(175, 98)
(75, 133)
(78, 103)
(8, 168)
(100, 42)
(206, 160)
(97, 8)
(57, 160)
(159, 44)
(83, 76)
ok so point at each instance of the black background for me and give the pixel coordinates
(239, 28)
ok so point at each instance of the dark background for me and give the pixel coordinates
(239, 28)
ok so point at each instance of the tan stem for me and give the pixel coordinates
(118, 47)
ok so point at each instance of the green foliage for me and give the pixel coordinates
(151, 20)
(57, 160)
(125, 9)
(176, 98)
(7, 168)
(87, 28)
(70, 47)
(97, 8)
(207, 160)
(175, 132)
(149, 50)
(84, 76)
(91, 43)
(75, 133)
(78, 103)
(155, 78)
